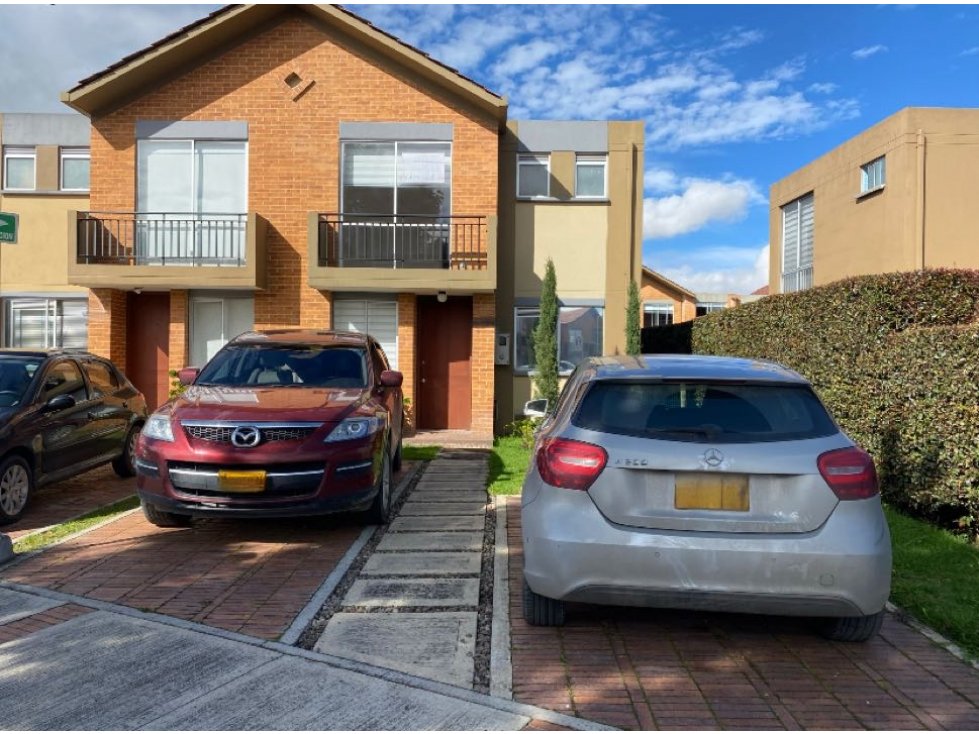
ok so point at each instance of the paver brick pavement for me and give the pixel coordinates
(670, 669)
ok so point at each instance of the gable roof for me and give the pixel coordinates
(106, 89)
(666, 282)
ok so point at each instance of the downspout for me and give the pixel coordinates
(920, 202)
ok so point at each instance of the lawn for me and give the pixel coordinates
(419, 453)
(508, 464)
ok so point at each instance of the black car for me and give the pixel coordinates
(61, 413)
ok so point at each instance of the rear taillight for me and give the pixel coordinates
(570, 464)
(850, 473)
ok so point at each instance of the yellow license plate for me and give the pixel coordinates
(241, 481)
(705, 491)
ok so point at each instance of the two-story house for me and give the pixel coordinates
(896, 197)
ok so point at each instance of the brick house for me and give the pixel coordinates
(294, 166)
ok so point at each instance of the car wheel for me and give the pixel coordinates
(125, 465)
(541, 611)
(163, 519)
(853, 629)
(396, 461)
(379, 512)
(16, 484)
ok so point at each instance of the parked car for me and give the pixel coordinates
(61, 414)
(277, 424)
(705, 483)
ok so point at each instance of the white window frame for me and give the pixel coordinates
(593, 160)
(532, 311)
(873, 175)
(192, 204)
(660, 308)
(709, 307)
(73, 154)
(804, 273)
(53, 313)
(527, 159)
(19, 152)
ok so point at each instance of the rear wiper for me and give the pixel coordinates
(703, 432)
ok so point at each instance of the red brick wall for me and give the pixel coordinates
(178, 330)
(406, 344)
(484, 334)
(107, 324)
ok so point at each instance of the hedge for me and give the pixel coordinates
(896, 359)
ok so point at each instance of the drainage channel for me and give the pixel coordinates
(419, 597)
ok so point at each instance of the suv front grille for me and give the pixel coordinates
(221, 433)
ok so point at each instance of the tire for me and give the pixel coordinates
(124, 466)
(541, 611)
(396, 461)
(163, 519)
(853, 629)
(16, 488)
(380, 511)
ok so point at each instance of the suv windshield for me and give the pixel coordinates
(16, 374)
(240, 365)
(704, 411)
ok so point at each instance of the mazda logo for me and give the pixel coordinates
(246, 437)
(713, 457)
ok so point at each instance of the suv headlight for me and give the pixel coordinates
(353, 428)
(158, 427)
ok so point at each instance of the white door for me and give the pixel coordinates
(379, 318)
(216, 321)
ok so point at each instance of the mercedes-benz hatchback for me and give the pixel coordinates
(704, 483)
(277, 424)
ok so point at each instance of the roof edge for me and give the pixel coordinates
(666, 281)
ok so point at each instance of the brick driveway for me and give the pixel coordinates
(653, 669)
(248, 576)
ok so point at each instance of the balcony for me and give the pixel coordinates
(365, 252)
(797, 280)
(166, 250)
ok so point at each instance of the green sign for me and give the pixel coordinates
(8, 228)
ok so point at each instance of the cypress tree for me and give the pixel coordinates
(545, 339)
(633, 343)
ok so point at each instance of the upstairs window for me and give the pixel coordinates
(872, 175)
(589, 176)
(74, 169)
(18, 169)
(533, 176)
(797, 243)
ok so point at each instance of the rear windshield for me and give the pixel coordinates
(704, 411)
(282, 366)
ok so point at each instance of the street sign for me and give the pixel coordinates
(8, 228)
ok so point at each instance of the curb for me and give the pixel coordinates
(6, 548)
(501, 670)
(932, 635)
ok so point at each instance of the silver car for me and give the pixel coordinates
(707, 483)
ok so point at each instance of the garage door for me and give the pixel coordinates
(375, 317)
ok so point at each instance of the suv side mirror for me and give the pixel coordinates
(391, 378)
(187, 375)
(535, 408)
(59, 402)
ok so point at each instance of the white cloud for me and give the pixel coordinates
(970, 51)
(823, 87)
(865, 53)
(524, 57)
(660, 180)
(701, 202)
(714, 269)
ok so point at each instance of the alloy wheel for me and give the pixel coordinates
(14, 487)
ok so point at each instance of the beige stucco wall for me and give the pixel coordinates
(923, 216)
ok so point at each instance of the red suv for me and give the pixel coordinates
(277, 424)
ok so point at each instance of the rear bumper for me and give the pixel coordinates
(572, 552)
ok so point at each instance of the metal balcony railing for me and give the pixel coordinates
(402, 241)
(161, 238)
(797, 280)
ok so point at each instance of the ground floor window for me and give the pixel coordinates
(39, 323)
(214, 321)
(580, 333)
(376, 317)
(706, 307)
(657, 314)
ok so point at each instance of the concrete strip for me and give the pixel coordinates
(433, 541)
(6, 548)
(418, 523)
(299, 695)
(438, 645)
(16, 605)
(444, 508)
(501, 669)
(421, 592)
(102, 671)
(422, 564)
(439, 495)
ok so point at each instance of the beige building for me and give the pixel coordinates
(45, 174)
(897, 197)
(571, 192)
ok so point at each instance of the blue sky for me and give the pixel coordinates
(734, 97)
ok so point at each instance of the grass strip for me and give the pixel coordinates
(936, 578)
(508, 464)
(76, 525)
(419, 453)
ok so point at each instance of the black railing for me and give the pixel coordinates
(402, 241)
(157, 238)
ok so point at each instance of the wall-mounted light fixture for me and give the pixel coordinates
(442, 297)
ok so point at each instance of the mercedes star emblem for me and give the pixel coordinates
(713, 457)
(246, 437)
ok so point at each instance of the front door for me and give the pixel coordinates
(148, 346)
(444, 338)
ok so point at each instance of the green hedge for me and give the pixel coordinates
(895, 359)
